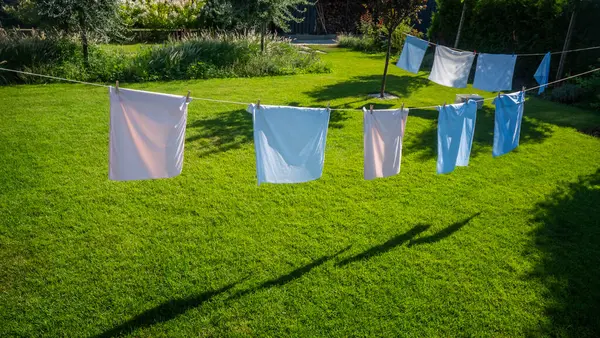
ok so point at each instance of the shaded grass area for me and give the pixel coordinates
(504, 247)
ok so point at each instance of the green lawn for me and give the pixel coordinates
(505, 247)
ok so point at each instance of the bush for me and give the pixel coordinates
(199, 56)
(584, 92)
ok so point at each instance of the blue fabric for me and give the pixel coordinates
(412, 54)
(494, 72)
(509, 113)
(542, 74)
(456, 125)
(289, 143)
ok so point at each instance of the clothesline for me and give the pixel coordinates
(248, 103)
(531, 54)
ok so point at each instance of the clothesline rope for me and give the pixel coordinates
(531, 54)
(247, 103)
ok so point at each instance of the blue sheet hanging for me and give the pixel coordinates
(456, 127)
(508, 117)
(412, 54)
(543, 73)
(289, 143)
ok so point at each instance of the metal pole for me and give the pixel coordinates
(563, 55)
(460, 25)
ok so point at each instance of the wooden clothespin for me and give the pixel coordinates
(117, 86)
(499, 94)
(523, 89)
(187, 98)
(258, 104)
(444, 103)
(371, 109)
(402, 109)
(328, 105)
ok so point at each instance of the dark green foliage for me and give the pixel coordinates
(521, 26)
(584, 91)
(202, 56)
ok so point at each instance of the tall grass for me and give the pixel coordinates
(198, 56)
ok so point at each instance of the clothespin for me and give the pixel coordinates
(499, 94)
(444, 103)
(402, 109)
(117, 85)
(474, 52)
(523, 89)
(371, 109)
(187, 98)
(258, 104)
(328, 105)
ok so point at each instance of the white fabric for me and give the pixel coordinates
(147, 134)
(383, 134)
(451, 68)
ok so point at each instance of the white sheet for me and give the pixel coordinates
(147, 134)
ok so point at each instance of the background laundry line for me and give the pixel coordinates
(516, 54)
(249, 103)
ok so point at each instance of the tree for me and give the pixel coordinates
(392, 13)
(84, 17)
(262, 13)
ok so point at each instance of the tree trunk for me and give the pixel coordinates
(563, 55)
(84, 44)
(84, 39)
(460, 24)
(387, 63)
(263, 31)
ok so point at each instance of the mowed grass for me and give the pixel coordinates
(505, 247)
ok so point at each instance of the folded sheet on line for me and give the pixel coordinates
(451, 68)
(456, 127)
(289, 143)
(508, 118)
(383, 134)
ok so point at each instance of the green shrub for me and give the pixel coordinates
(567, 93)
(199, 56)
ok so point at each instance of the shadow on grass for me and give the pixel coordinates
(164, 312)
(233, 129)
(387, 246)
(444, 233)
(359, 86)
(173, 308)
(569, 239)
(406, 237)
(425, 142)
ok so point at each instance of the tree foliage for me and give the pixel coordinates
(521, 26)
(391, 14)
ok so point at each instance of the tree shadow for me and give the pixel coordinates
(446, 232)
(364, 85)
(569, 238)
(425, 141)
(173, 308)
(387, 246)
